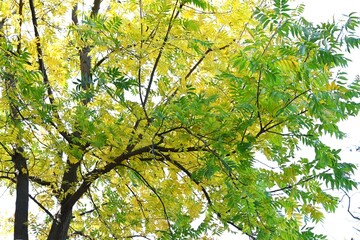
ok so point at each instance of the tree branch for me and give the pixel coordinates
(137, 200)
(349, 206)
(291, 101)
(258, 91)
(304, 180)
(155, 192)
(100, 217)
(95, 8)
(8, 178)
(39, 181)
(203, 57)
(43, 208)
(96, 173)
(40, 55)
(157, 60)
(206, 194)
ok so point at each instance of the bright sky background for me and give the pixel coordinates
(338, 226)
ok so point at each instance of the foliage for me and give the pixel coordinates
(146, 118)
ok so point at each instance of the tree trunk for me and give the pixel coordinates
(61, 223)
(60, 226)
(22, 197)
(22, 175)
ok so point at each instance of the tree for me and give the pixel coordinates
(142, 118)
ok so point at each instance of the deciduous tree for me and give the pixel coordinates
(143, 118)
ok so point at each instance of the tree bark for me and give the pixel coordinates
(60, 226)
(61, 223)
(22, 175)
(22, 199)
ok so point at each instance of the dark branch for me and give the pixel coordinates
(96, 173)
(74, 16)
(137, 200)
(174, 15)
(100, 216)
(8, 178)
(39, 181)
(206, 194)
(203, 57)
(289, 187)
(40, 55)
(349, 206)
(137, 236)
(258, 91)
(292, 100)
(95, 8)
(43, 208)
(155, 192)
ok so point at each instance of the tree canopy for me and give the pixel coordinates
(144, 118)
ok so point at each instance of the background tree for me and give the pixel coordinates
(142, 118)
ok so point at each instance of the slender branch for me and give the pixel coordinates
(137, 200)
(39, 181)
(198, 62)
(157, 60)
(96, 173)
(43, 208)
(40, 55)
(290, 134)
(8, 172)
(100, 216)
(8, 178)
(82, 234)
(247, 216)
(154, 191)
(304, 180)
(6, 149)
(193, 68)
(264, 130)
(15, 108)
(218, 157)
(99, 62)
(21, 5)
(349, 205)
(137, 236)
(141, 56)
(203, 57)
(206, 194)
(291, 101)
(169, 130)
(42, 68)
(272, 36)
(258, 91)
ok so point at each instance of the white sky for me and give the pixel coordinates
(336, 226)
